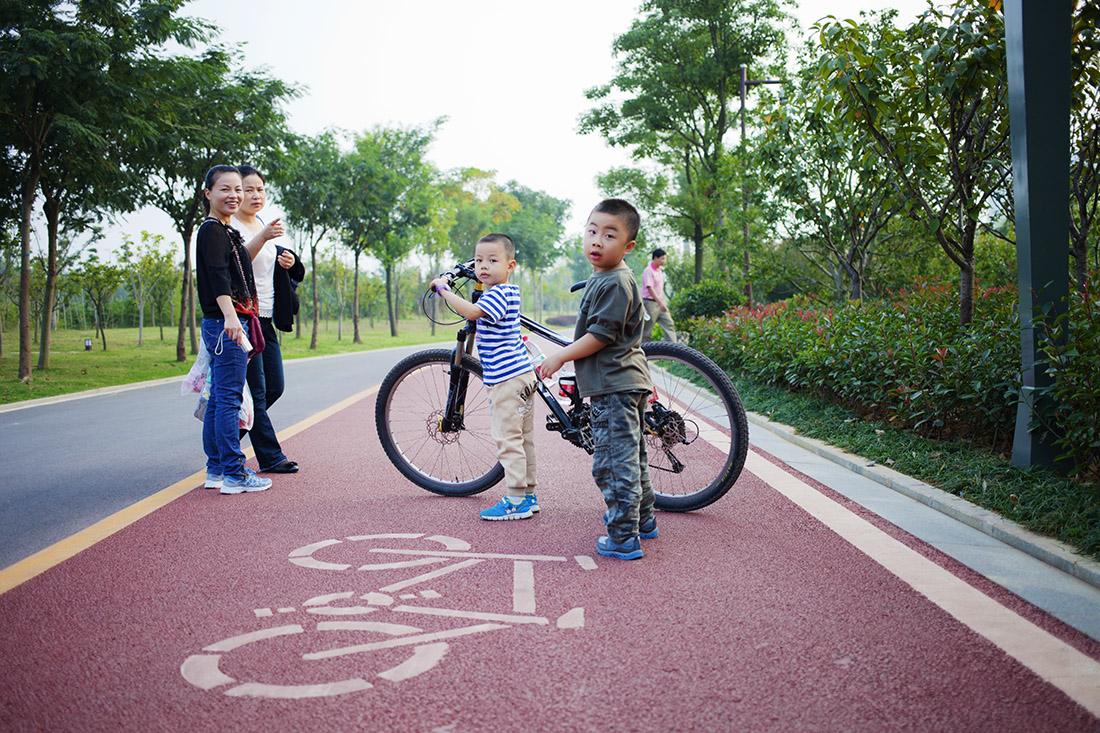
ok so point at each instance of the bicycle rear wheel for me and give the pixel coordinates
(408, 412)
(696, 432)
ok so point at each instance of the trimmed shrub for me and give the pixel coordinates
(707, 299)
(906, 360)
(1076, 370)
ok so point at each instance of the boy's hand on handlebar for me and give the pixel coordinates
(439, 285)
(549, 367)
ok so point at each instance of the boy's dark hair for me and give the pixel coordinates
(211, 177)
(625, 211)
(247, 170)
(658, 253)
(504, 239)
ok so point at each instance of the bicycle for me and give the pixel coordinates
(432, 417)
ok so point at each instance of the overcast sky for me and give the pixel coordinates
(509, 76)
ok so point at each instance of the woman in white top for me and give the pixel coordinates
(277, 271)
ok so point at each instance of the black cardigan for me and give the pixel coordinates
(216, 268)
(286, 291)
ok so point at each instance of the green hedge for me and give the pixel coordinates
(907, 360)
(707, 299)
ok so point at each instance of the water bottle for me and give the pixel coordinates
(533, 351)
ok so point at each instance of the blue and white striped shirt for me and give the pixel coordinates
(499, 346)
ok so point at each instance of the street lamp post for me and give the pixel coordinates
(746, 82)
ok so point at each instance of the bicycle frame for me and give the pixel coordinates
(459, 378)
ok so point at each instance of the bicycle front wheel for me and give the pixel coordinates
(696, 431)
(409, 415)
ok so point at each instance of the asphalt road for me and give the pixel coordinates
(70, 464)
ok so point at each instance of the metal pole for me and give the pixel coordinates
(1037, 39)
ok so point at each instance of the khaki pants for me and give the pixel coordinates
(656, 315)
(512, 409)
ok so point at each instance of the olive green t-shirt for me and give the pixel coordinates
(611, 310)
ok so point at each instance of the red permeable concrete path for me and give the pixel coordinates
(252, 613)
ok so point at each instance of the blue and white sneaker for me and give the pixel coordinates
(248, 484)
(505, 509)
(533, 501)
(213, 480)
(629, 550)
(646, 530)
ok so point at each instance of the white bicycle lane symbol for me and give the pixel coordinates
(428, 648)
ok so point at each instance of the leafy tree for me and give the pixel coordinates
(435, 239)
(203, 111)
(63, 101)
(480, 205)
(403, 184)
(933, 97)
(679, 70)
(100, 281)
(537, 229)
(145, 266)
(1085, 140)
(310, 175)
(837, 188)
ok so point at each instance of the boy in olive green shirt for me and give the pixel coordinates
(612, 371)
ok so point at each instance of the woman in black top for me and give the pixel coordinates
(226, 289)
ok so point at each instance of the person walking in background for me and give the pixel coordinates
(223, 271)
(277, 271)
(653, 298)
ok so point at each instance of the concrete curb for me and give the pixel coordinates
(1052, 552)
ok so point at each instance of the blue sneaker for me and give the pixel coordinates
(505, 509)
(533, 502)
(213, 480)
(629, 550)
(248, 484)
(646, 530)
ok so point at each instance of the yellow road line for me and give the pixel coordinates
(62, 550)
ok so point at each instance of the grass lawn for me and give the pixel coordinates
(1038, 499)
(72, 369)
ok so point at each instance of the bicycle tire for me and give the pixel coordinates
(443, 475)
(701, 387)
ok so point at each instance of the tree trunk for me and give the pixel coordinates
(967, 273)
(356, 339)
(52, 209)
(185, 291)
(102, 325)
(141, 320)
(30, 186)
(191, 312)
(1080, 262)
(313, 283)
(697, 238)
(389, 300)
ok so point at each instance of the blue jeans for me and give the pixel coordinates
(220, 427)
(265, 381)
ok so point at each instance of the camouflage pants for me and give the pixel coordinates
(620, 464)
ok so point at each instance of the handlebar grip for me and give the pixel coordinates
(577, 286)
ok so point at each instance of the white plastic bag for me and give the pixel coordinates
(247, 413)
(196, 379)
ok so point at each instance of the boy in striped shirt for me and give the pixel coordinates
(507, 372)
